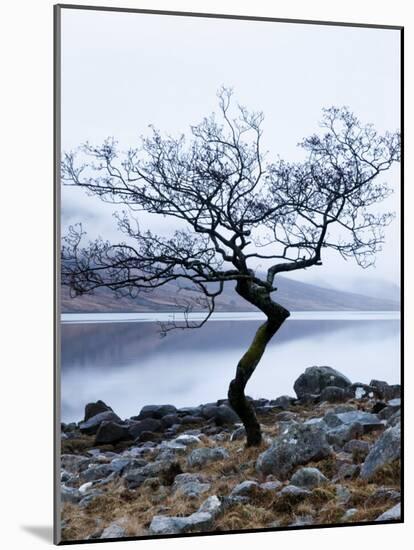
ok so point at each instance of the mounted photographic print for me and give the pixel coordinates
(228, 274)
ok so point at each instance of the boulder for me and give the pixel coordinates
(385, 450)
(190, 485)
(92, 409)
(170, 420)
(111, 432)
(90, 427)
(385, 391)
(113, 531)
(308, 478)
(299, 445)
(369, 422)
(155, 411)
(393, 514)
(212, 506)
(225, 415)
(167, 525)
(202, 456)
(244, 489)
(95, 472)
(146, 425)
(316, 379)
(333, 394)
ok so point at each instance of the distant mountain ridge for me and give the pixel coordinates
(294, 295)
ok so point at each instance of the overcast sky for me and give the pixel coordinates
(123, 71)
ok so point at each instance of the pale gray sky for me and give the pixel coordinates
(124, 71)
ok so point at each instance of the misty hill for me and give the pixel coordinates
(294, 295)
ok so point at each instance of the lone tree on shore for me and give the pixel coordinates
(234, 209)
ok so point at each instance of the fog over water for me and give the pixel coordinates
(129, 365)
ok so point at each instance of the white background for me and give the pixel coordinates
(26, 236)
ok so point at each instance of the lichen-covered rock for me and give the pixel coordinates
(298, 446)
(308, 478)
(384, 451)
(316, 379)
(202, 456)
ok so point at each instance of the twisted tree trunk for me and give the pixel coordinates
(276, 315)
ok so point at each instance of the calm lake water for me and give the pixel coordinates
(122, 359)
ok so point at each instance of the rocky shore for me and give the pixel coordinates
(330, 455)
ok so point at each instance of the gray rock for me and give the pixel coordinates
(92, 409)
(270, 485)
(119, 464)
(165, 525)
(190, 485)
(298, 446)
(384, 390)
(70, 494)
(316, 379)
(308, 478)
(95, 472)
(244, 489)
(170, 420)
(385, 450)
(392, 407)
(113, 531)
(111, 432)
(393, 514)
(332, 394)
(394, 419)
(225, 415)
(369, 422)
(74, 463)
(90, 427)
(145, 425)
(212, 506)
(342, 434)
(202, 456)
(156, 411)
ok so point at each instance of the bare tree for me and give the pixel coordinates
(234, 209)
